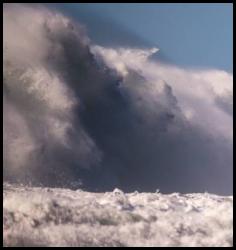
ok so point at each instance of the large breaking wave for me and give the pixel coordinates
(78, 114)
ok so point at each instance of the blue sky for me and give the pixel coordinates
(189, 35)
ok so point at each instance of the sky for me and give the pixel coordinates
(189, 35)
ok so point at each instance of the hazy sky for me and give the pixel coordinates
(193, 35)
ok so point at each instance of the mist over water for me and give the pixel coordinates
(76, 114)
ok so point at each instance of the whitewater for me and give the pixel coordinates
(82, 121)
(62, 217)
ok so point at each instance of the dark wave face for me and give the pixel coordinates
(80, 115)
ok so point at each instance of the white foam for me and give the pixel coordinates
(61, 217)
